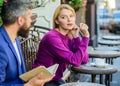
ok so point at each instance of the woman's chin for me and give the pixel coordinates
(70, 28)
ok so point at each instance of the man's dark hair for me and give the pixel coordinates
(13, 9)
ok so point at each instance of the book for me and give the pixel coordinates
(48, 72)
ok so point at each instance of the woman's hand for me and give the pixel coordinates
(74, 32)
(37, 81)
(84, 30)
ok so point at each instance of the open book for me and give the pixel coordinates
(48, 72)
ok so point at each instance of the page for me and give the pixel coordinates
(52, 69)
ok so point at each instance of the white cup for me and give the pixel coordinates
(99, 62)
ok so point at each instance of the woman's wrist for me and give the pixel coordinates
(75, 36)
(87, 35)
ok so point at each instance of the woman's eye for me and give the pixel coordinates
(63, 17)
(71, 16)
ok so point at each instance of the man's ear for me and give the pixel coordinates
(20, 20)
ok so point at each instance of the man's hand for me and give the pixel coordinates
(37, 81)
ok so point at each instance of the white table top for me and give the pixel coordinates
(111, 37)
(82, 84)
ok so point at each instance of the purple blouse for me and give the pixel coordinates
(57, 48)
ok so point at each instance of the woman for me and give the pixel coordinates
(62, 45)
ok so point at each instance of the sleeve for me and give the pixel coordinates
(58, 49)
(75, 43)
(3, 66)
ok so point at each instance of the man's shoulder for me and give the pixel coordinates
(2, 40)
(1, 31)
(1, 36)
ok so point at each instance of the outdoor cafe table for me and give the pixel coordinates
(108, 37)
(93, 70)
(81, 84)
(104, 48)
(109, 55)
(109, 42)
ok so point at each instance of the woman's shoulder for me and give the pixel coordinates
(52, 33)
(51, 37)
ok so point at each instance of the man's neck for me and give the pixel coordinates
(12, 32)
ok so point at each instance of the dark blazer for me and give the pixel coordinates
(10, 68)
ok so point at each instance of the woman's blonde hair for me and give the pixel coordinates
(57, 12)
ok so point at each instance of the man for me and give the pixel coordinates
(16, 16)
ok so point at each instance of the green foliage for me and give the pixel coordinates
(1, 4)
(76, 4)
(0, 21)
(1, 1)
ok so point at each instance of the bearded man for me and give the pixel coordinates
(16, 16)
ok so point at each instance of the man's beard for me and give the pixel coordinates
(23, 31)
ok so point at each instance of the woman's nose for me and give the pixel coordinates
(69, 19)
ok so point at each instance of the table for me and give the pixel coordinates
(109, 42)
(90, 48)
(103, 54)
(109, 37)
(109, 55)
(81, 84)
(88, 69)
(106, 48)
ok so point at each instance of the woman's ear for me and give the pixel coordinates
(20, 20)
(56, 21)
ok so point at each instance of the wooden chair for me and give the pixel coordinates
(29, 47)
(66, 75)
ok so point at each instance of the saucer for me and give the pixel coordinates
(99, 66)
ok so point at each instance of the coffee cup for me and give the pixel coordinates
(99, 62)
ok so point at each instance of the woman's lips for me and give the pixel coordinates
(69, 24)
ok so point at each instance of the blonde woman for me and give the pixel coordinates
(62, 45)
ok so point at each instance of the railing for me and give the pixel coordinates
(39, 31)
